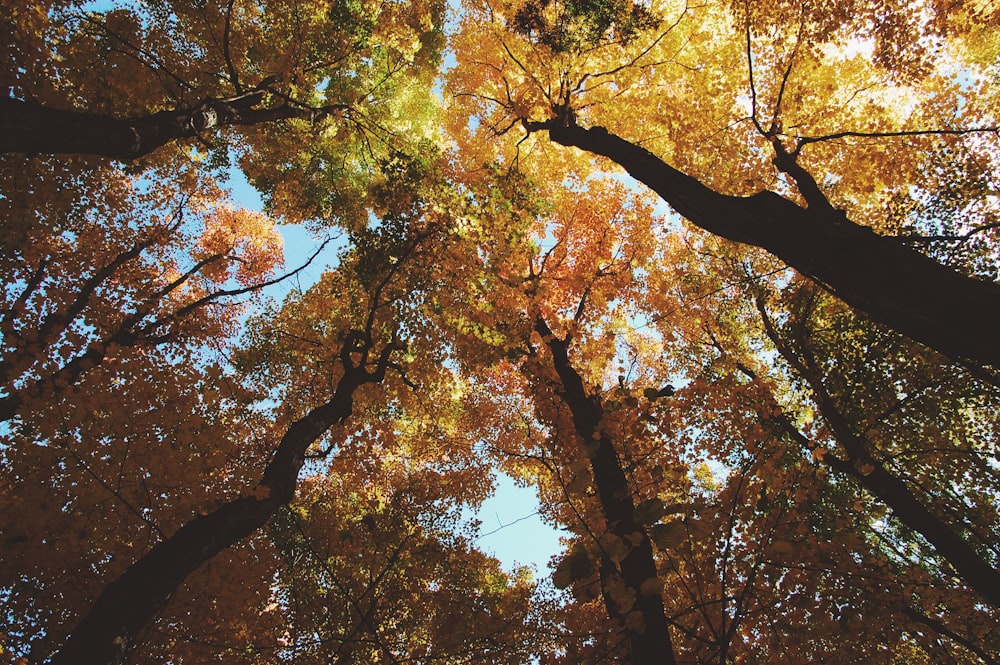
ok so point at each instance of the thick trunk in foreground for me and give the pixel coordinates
(895, 285)
(649, 643)
(33, 129)
(130, 602)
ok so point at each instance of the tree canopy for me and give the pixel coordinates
(719, 282)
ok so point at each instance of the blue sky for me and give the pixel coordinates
(511, 529)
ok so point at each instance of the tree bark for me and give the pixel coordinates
(895, 285)
(967, 563)
(650, 643)
(127, 604)
(870, 473)
(32, 129)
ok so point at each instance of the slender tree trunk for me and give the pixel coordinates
(862, 465)
(30, 128)
(649, 639)
(895, 285)
(967, 563)
(942, 629)
(130, 602)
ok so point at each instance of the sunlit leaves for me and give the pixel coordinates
(249, 235)
(728, 391)
(574, 26)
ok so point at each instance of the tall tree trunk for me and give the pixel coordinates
(130, 602)
(649, 639)
(30, 128)
(895, 285)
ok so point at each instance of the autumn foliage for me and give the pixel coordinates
(718, 282)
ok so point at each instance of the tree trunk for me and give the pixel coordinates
(895, 285)
(26, 127)
(862, 465)
(967, 563)
(130, 602)
(649, 641)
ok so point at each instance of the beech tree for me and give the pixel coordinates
(248, 82)
(124, 82)
(764, 414)
(733, 557)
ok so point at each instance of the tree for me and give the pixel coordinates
(734, 555)
(133, 599)
(255, 82)
(768, 432)
(212, 67)
(878, 386)
(887, 278)
(138, 284)
(378, 584)
(93, 287)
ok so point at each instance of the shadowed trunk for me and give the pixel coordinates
(953, 313)
(130, 602)
(30, 128)
(649, 640)
(862, 465)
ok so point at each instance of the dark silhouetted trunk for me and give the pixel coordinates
(862, 465)
(895, 285)
(29, 128)
(649, 640)
(130, 602)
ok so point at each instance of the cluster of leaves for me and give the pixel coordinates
(115, 403)
(747, 468)
(575, 26)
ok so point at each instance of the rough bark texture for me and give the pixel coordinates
(29, 128)
(130, 602)
(956, 314)
(649, 643)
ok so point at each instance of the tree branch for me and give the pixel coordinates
(127, 604)
(31, 128)
(894, 284)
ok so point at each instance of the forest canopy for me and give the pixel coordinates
(720, 282)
